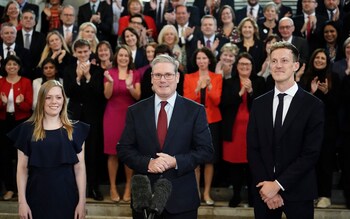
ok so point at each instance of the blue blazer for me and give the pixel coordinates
(188, 139)
(298, 148)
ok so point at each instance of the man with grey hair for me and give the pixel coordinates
(177, 140)
(68, 29)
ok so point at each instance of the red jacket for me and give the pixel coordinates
(23, 86)
(212, 98)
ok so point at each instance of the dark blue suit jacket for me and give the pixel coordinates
(298, 146)
(188, 139)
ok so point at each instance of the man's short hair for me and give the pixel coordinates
(286, 45)
(165, 58)
(209, 16)
(81, 43)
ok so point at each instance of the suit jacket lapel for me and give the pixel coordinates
(269, 119)
(151, 128)
(293, 110)
(176, 118)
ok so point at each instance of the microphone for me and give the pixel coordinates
(162, 191)
(141, 193)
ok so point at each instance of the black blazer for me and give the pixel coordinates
(303, 48)
(231, 101)
(316, 36)
(201, 4)
(284, 10)
(242, 13)
(299, 145)
(23, 54)
(75, 31)
(188, 139)
(140, 58)
(104, 28)
(86, 101)
(37, 46)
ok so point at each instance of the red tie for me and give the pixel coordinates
(162, 126)
(308, 28)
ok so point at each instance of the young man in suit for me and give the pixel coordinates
(83, 84)
(30, 39)
(284, 138)
(182, 144)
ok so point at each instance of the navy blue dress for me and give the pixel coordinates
(51, 187)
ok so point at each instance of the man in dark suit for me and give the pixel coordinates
(286, 29)
(170, 15)
(252, 9)
(25, 5)
(156, 9)
(32, 40)
(100, 13)
(183, 141)
(8, 46)
(68, 29)
(83, 84)
(309, 24)
(283, 10)
(284, 138)
(186, 31)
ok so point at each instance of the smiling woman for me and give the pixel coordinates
(51, 159)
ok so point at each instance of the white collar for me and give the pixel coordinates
(290, 91)
(170, 100)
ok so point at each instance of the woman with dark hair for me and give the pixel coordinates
(226, 24)
(49, 72)
(50, 16)
(238, 93)
(121, 89)
(12, 14)
(322, 83)
(136, 7)
(16, 100)
(251, 43)
(130, 38)
(204, 86)
(331, 41)
(104, 55)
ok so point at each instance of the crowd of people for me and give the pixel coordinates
(102, 54)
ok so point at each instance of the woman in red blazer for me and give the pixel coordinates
(204, 86)
(16, 97)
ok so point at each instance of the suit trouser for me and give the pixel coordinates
(292, 210)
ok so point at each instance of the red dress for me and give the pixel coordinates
(235, 151)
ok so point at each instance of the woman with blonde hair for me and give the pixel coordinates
(57, 49)
(228, 53)
(51, 159)
(251, 43)
(87, 31)
(168, 35)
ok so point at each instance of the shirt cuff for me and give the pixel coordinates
(279, 185)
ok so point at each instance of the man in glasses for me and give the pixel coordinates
(167, 136)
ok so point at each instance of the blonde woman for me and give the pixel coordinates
(57, 49)
(87, 31)
(168, 35)
(51, 166)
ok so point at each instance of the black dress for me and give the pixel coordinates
(51, 190)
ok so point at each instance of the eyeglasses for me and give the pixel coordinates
(285, 27)
(68, 15)
(167, 76)
(135, 22)
(244, 64)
